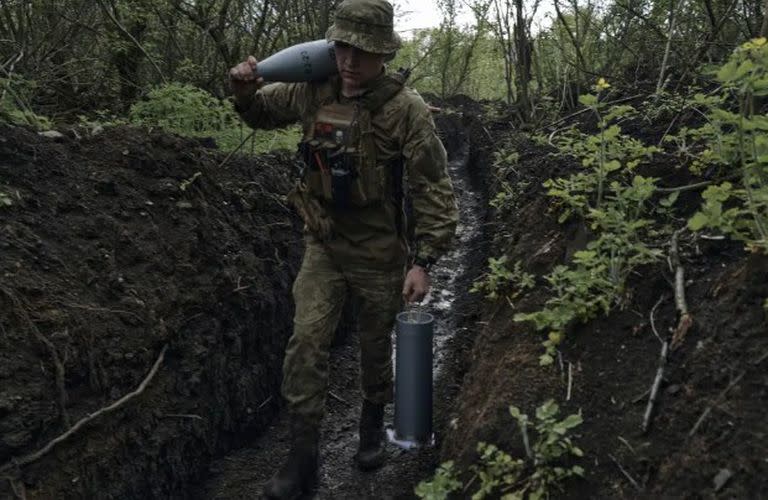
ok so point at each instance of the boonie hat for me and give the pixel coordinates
(365, 24)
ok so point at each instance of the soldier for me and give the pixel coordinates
(365, 136)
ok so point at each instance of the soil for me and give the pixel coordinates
(115, 246)
(123, 245)
(719, 370)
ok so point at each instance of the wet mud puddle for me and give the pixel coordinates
(242, 473)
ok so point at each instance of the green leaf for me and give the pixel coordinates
(669, 200)
(698, 222)
(725, 116)
(572, 421)
(612, 166)
(588, 100)
(745, 67)
(727, 72)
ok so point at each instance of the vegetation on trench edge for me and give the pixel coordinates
(174, 107)
(625, 212)
(547, 462)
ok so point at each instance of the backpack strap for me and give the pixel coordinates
(386, 88)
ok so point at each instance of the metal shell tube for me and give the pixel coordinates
(413, 377)
(309, 61)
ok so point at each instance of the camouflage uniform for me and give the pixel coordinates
(358, 248)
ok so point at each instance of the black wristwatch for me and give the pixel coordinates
(425, 263)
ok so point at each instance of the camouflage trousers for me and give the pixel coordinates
(319, 292)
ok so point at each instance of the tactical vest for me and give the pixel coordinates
(339, 153)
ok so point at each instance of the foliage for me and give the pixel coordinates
(595, 280)
(431, 51)
(499, 277)
(536, 476)
(104, 55)
(5, 199)
(443, 483)
(192, 112)
(504, 160)
(15, 95)
(602, 154)
(741, 139)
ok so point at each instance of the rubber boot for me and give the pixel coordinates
(298, 475)
(370, 455)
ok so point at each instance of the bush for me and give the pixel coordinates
(192, 112)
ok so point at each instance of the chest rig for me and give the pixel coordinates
(339, 152)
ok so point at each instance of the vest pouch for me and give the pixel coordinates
(318, 173)
(366, 181)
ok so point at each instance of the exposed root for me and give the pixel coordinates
(21, 311)
(27, 459)
(626, 474)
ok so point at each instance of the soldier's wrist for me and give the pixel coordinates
(424, 262)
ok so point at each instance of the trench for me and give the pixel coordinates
(242, 473)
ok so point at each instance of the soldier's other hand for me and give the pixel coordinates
(416, 284)
(244, 80)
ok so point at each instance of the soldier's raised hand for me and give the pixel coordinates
(244, 79)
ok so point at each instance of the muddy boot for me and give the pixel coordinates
(299, 473)
(370, 454)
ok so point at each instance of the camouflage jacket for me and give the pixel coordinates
(403, 127)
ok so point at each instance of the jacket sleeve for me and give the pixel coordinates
(434, 204)
(275, 105)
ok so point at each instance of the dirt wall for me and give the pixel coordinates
(719, 369)
(111, 248)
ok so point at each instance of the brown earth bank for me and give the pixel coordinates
(116, 248)
(720, 370)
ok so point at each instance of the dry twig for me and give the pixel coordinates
(653, 314)
(626, 474)
(27, 459)
(686, 320)
(339, 398)
(570, 381)
(655, 386)
(526, 441)
(232, 153)
(265, 403)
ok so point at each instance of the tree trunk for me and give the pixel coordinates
(523, 63)
(672, 19)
